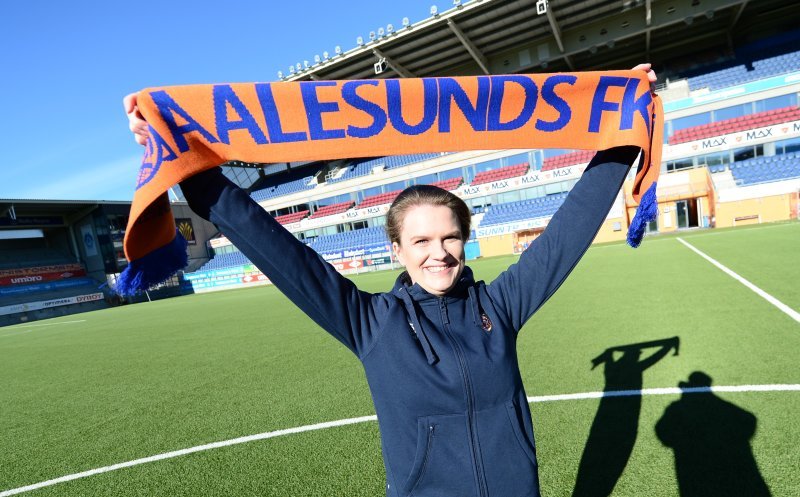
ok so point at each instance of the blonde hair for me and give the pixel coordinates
(417, 195)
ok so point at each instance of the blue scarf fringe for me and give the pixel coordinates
(646, 212)
(153, 268)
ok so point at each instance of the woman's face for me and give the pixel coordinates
(431, 247)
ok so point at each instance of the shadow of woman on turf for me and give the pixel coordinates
(711, 441)
(616, 424)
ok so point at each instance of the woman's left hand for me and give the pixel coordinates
(651, 74)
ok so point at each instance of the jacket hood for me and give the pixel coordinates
(411, 294)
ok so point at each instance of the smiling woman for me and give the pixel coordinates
(439, 349)
(428, 227)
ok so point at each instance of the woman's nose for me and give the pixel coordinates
(438, 251)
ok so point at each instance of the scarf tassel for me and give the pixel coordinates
(646, 212)
(155, 267)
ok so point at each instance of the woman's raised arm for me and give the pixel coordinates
(331, 300)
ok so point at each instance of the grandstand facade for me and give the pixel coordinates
(60, 257)
(732, 137)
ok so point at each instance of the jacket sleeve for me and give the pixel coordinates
(331, 300)
(546, 263)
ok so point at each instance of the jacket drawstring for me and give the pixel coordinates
(475, 305)
(418, 329)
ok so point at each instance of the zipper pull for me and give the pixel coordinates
(443, 306)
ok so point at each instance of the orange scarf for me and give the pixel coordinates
(197, 127)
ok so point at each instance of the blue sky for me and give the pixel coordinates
(67, 65)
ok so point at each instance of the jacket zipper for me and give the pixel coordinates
(468, 385)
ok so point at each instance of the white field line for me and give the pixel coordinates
(365, 419)
(761, 293)
(25, 326)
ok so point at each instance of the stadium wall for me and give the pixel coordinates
(757, 210)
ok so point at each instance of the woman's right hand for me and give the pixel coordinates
(136, 122)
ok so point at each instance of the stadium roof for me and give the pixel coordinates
(509, 36)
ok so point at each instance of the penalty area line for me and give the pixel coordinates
(366, 419)
(761, 293)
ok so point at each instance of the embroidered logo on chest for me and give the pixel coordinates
(486, 323)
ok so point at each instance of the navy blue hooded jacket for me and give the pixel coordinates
(452, 410)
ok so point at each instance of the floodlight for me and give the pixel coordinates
(406, 22)
(317, 59)
(372, 36)
(381, 65)
(434, 10)
(325, 55)
(360, 41)
(541, 7)
(593, 49)
(291, 69)
(381, 32)
(299, 67)
(457, 3)
(305, 64)
(389, 29)
(280, 74)
(338, 50)
(688, 20)
(709, 14)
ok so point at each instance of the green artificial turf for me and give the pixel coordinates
(145, 379)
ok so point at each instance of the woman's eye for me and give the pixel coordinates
(420, 242)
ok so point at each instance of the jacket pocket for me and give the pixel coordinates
(443, 460)
(509, 461)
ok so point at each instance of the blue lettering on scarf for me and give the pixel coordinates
(549, 95)
(273, 118)
(450, 91)
(631, 105)
(315, 109)
(350, 95)
(430, 106)
(156, 151)
(167, 106)
(224, 95)
(496, 101)
(599, 102)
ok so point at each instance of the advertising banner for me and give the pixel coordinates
(227, 278)
(41, 269)
(186, 229)
(42, 287)
(44, 304)
(24, 279)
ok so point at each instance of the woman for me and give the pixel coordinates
(439, 349)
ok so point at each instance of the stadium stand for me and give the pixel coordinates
(284, 189)
(31, 257)
(739, 74)
(351, 240)
(500, 173)
(449, 184)
(523, 209)
(756, 120)
(569, 159)
(765, 169)
(332, 209)
(364, 167)
(292, 218)
(379, 199)
(227, 259)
